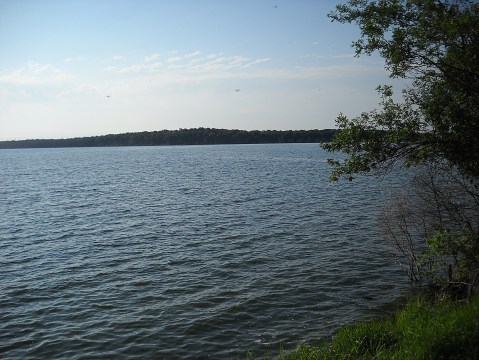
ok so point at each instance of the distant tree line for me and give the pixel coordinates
(196, 136)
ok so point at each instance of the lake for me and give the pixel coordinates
(185, 251)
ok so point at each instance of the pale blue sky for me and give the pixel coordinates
(170, 64)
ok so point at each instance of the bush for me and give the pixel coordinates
(433, 227)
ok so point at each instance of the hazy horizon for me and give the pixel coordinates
(88, 68)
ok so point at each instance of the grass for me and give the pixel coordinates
(445, 329)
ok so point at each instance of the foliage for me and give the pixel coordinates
(435, 45)
(433, 224)
(422, 330)
(198, 136)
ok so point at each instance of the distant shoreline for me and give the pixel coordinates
(194, 136)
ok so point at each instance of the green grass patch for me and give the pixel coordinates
(444, 329)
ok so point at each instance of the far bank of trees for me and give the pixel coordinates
(196, 136)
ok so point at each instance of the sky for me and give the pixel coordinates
(73, 68)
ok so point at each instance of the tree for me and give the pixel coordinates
(441, 207)
(434, 44)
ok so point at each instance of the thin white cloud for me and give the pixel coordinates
(118, 57)
(38, 68)
(221, 63)
(193, 54)
(154, 66)
(135, 68)
(45, 81)
(258, 61)
(73, 59)
(34, 74)
(150, 58)
(192, 67)
(174, 59)
(217, 67)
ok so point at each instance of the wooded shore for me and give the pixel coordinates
(195, 136)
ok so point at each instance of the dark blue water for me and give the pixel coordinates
(184, 252)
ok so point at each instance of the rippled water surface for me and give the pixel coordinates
(184, 252)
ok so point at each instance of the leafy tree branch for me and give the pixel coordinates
(435, 44)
